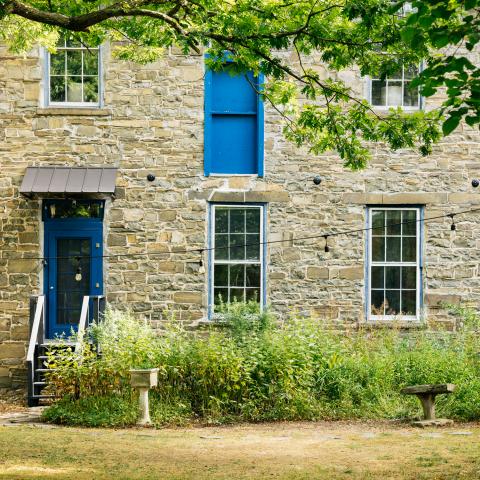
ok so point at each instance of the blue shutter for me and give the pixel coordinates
(233, 124)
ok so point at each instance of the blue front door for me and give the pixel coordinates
(73, 250)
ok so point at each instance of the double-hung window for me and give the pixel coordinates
(73, 75)
(237, 256)
(394, 256)
(233, 123)
(395, 91)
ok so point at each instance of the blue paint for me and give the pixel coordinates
(88, 229)
(233, 124)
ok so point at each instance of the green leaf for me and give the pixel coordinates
(450, 124)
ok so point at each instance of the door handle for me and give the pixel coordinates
(51, 287)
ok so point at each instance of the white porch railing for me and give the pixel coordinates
(98, 302)
(37, 326)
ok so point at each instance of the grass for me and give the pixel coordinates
(287, 451)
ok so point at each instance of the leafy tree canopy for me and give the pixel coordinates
(375, 36)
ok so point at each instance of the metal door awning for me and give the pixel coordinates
(87, 182)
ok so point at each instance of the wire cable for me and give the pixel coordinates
(201, 250)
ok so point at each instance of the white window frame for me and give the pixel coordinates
(49, 103)
(407, 108)
(417, 264)
(212, 262)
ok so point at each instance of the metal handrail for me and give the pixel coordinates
(38, 320)
(85, 316)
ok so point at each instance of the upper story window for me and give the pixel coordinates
(394, 256)
(395, 91)
(238, 270)
(233, 124)
(73, 75)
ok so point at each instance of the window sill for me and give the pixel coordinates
(371, 324)
(75, 111)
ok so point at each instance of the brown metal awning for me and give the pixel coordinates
(69, 181)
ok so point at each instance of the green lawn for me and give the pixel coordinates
(279, 451)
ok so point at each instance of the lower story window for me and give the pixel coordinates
(394, 257)
(238, 254)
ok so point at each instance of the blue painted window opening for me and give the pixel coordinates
(73, 244)
(394, 263)
(233, 124)
(237, 261)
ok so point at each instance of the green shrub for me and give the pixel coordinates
(256, 370)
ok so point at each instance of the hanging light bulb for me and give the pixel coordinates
(201, 268)
(453, 227)
(78, 273)
(326, 248)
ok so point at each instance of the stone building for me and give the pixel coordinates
(162, 159)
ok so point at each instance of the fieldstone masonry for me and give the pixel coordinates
(152, 122)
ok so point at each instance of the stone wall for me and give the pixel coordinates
(152, 122)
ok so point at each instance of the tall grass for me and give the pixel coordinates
(254, 370)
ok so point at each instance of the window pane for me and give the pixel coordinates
(253, 247)
(237, 275)
(392, 277)
(57, 89)
(252, 294)
(395, 93)
(409, 277)
(394, 220)
(409, 222)
(237, 220)
(220, 275)
(220, 295)
(253, 220)
(74, 62)
(410, 71)
(392, 302)
(379, 92)
(237, 247)
(378, 222)
(90, 62)
(393, 249)
(410, 96)
(252, 276)
(409, 249)
(409, 302)
(378, 249)
(237, 294)
(74, 89)
(221, 244)
(57, 63)
(377, 302)
(90, 89)
(221, 220)
(377, 277)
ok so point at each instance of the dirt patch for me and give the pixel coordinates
(287, 451)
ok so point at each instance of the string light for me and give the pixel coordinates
(453, 227)
(326, 248)
(201, 268)
(78, 274)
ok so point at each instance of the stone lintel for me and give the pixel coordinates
(409, 198)
(249, 196)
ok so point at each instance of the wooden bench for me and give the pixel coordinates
(426, 394)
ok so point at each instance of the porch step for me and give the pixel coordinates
(44, 369)
(39, 383)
